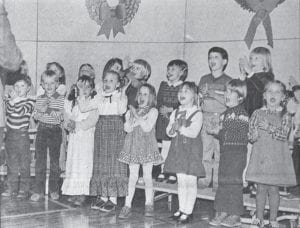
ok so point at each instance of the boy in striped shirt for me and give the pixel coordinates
(49, 114)
(19, 108)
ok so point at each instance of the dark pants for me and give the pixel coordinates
(17, 146)
(48, 136)
(2, 153)
(296, 160)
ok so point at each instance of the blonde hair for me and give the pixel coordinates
(238, 86)
(265, 52)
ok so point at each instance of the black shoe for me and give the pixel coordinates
(188, 218)
(98, 203)
(176, 215)
(108, 206)
(161, 177)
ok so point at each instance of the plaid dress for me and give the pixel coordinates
(109, 175)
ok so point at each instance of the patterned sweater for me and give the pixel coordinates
(235, 127)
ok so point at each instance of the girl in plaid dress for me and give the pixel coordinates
(109, 179)
(140, 147)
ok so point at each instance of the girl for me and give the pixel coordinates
(270, 164)
(86, 69)
(109, 179)
(233, 137)
(140, 146)
(185, 154)
(257, 73)
(167, 101)
(79, 165)
(60, 71)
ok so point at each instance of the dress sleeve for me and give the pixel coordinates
(122, 105)
(86, 106)
(193, 130)
(128, 127)
(159, 96)
(149, 122)
(253, 125)
(10, 54)
(169, 127)
(89, 122)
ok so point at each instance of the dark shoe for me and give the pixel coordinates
(172, 180)
(79, 200)
(108, 206)
(176, 215)
(98, 203)
(125, 213)
(232, 221)
(22, 195)
(185, 218)
(161, 177)
(149, 210)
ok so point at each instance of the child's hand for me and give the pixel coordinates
(245, 66)
(126, 62)
(264, 125)
(175, 127)
(164, 110)
(12, 94)
(44, 107)
(204, 90)
(71, 125)
(133, 111)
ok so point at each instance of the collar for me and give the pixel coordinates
(109, 94)
(175, 84)
(279, 109)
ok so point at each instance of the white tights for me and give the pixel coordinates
(164, 151)
(133, 177)
(187, 192)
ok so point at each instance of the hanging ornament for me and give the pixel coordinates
(262, 10)
(112, 14)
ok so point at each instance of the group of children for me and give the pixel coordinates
(114, 128)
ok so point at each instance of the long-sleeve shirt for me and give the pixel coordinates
(55, 109)
(19, 112)
(147, 122)
(114, 103)
(193, 129)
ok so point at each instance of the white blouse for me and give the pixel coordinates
(191, 131)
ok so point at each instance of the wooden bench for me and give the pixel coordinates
(289, 208)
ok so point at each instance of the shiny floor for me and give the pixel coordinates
(49, 213)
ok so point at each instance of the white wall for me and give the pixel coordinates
(162, 30)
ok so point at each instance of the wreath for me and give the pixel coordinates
(262, 9)
(112, 17)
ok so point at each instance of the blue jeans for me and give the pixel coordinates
(48, 136)
(18, 157)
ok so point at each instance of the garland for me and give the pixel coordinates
(112, 18)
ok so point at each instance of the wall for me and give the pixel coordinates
(162, 30)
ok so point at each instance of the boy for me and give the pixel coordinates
(19, 108)
(212, 87)
(49, 113)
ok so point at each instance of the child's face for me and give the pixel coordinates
(84, 88)
(174, 73)
(143, 97)
(86, 70)
(257, 62)
(297, 95)
(216, 61)
(110, 82)
(186, 96)
(54, 68)
(21, 88)
(231, 98)
(116, 67)
(49, 84)
(139, 71)
(274, 96)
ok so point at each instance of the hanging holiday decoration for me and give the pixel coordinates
(262, 10)
(112, 14)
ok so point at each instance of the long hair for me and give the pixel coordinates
(265, 52)
(152, 101)
(283, 90)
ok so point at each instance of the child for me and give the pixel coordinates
(60, 71)
(109, 179)
(140, 147)
(49, 114)
(270, 164)
(257, 73)
(185, 155)
(233, 137)
(167, 101)
(86, 69)
(138, 74)
(212, 88)
(19, 108)
(79, 165)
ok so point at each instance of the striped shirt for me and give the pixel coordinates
(55, 109)
(19, 112)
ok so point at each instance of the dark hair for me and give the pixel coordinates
(25, 78)
(283, 90)
(193, 87)
(182, 65)
(50, 74)
(62, 79)
(222, 52)
(152, 94)
(146, 65)
(112, 62)
(295, 88)
(90, 66)
(85, 79)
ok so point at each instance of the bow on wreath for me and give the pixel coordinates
(262, 9)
